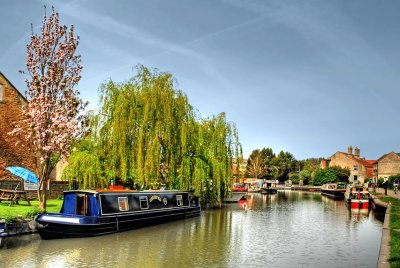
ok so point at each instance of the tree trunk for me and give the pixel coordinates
(42, 194)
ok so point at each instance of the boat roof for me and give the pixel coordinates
(122, 191)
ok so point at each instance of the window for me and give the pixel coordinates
(82, 204)
(355, 178)
(179, 200)
(355, 167)
(144, 202)
(1, 92)
(123, 203)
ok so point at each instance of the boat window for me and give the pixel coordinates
(123, 203)
(82, 204)
(144, 202)
(179, 200)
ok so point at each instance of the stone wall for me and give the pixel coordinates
(11, 111)
(389, 165)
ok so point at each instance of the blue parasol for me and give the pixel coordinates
(24, 174)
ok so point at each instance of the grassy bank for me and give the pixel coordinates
(22, 209)
(394, 258)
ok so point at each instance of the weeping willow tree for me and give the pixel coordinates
(147, 134)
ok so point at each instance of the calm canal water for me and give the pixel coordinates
(290, 229)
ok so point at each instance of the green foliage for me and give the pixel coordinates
(294, 177)
(311, 164)
(394, 258)
(283, 164)
(331, 174)
(146, 133)
(324, 176)
(84, 164)
(32, 213)
(342, 174)
(265, 164)
(10, 214)
(305, 175)
(255, 165)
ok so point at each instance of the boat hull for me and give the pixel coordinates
(62, 226)
(357, 197)
(359, 204)
(335, 194)
(269, 191)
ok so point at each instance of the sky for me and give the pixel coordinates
(308, 77)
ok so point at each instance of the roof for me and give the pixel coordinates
(383, 156)
(8, 81)
(360, 160)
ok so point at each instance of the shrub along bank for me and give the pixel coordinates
(23, 210)
(394, 258)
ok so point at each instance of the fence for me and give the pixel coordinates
(56, 188)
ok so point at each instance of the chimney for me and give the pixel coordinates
(357, 151)
(350, 150)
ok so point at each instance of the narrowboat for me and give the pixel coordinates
(334, 190)
(86, 213)
(357, 196)
(267, 188)
(239, 188)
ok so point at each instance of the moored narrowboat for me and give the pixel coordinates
(334, 190)
(268, 188)
(357, 197)
(87, 213)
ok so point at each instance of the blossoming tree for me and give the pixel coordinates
(53, 118)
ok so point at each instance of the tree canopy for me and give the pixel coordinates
(265, 164)
(53, 119)
(146, 134)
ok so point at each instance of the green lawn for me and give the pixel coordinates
(9, 213)
(394, 258)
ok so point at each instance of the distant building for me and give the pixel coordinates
(360, 168)
(11, 103)
(387, 165)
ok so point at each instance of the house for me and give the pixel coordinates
(387, 165)
(11, 103)
(360, 168)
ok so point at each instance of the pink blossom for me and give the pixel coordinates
(52, 119)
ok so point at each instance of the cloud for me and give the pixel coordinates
(130, 32)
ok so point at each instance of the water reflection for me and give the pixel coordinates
(289, 229)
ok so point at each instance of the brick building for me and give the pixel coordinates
(387, 165)
(360, 168)
(11, 103)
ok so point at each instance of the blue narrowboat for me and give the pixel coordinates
(86, 213)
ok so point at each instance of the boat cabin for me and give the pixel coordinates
(108, 202)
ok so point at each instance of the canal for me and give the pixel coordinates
(290, 229)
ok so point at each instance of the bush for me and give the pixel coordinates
(31, 214)
(342, 174)
(295, 178)
(305, 175)
(324, 176)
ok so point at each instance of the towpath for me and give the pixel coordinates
(385, 242)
